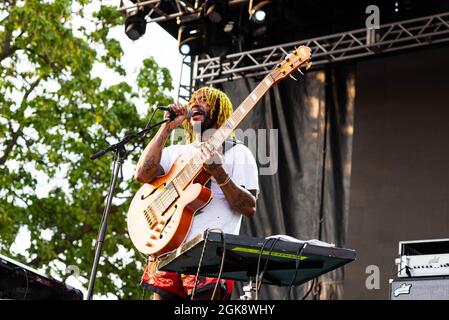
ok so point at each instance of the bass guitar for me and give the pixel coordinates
(161, 212)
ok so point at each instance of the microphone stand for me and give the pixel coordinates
(120, 155)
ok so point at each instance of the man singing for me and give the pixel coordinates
(234, 186)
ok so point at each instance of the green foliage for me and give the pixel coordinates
(54, 115)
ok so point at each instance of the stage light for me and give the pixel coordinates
(135, 24)
(259, 16)
(191, 39)
(184, 49)
(258, 12)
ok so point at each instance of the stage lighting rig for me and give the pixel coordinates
(135, 23)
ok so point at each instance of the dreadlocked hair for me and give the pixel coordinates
(220, 108)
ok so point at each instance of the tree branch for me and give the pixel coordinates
(15, 135)
(19, 197)
(10, 145)
(112, 264)
(33, 86)
(7, 48)
(45, 59)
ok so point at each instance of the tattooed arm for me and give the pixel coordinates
(149, 166)
(240, 199)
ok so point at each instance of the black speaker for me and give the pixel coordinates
(425, 288)
(17, 281)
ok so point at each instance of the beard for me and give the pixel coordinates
(205, 127)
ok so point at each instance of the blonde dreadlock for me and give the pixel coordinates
(215, 98)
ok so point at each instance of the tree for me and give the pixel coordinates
(54, 115)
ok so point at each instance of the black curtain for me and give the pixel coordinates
(399, 185)
(307, 197)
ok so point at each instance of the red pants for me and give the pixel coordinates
(172, 285)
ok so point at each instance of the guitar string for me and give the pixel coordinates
(165, 195)
(193, 167)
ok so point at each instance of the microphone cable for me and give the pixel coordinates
(258, 278)
(297, 261)
(206, 238)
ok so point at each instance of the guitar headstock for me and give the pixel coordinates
(293, 61)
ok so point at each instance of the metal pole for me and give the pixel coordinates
(119, 158)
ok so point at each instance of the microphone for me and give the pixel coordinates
(172, 115)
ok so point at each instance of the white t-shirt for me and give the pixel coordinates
(240, 165)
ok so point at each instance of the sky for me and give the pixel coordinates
(156, 42)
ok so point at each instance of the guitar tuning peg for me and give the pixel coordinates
(308, 65)
(293, 78)
(299, 70)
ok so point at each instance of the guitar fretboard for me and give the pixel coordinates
(194, 165)
(240, 113)
(190, 170)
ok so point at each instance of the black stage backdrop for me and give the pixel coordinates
(307, 197)
(400, 176)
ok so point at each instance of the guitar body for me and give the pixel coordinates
(156, 232)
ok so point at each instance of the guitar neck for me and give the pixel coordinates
(240, 113)
(195, 164)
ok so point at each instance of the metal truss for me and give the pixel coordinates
(156, 14)
(355, 44)
(181, 9)
(185, 89)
